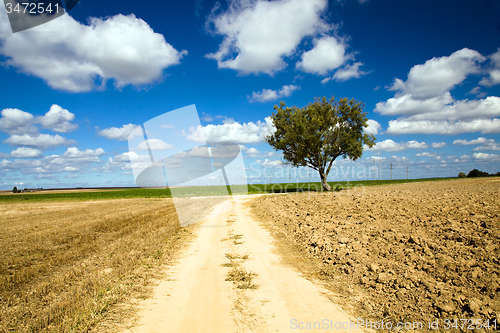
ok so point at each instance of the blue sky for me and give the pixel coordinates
(73, 89)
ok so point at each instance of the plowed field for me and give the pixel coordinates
(399, 252)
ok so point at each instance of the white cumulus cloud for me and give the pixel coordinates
(349, 72)
(73, 160)
(42, 141)
(271, 164)
(439, 75)
(235, 132)
(23, 152)
(373, 127)
(129, 161)
(408, 106)
(426, 106)
(154, 144)
(426, 154)
(485, 157)
(477, 141)
(259, 34)
(74, 152)
(58, 119)
(77, 57)
(403, 126)
(485, 144)
(270, 95)
(390, 145)
(494, 73)
(118, 133)
(252, 151)
(488, 145)
(15, 121)
(327, 54)
(438, 145)
(434, 109)
(127, 157)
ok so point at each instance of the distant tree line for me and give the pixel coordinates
(477, 173)
(16, 190)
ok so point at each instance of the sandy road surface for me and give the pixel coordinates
(195, 296)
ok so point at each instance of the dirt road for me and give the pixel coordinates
(196, 297)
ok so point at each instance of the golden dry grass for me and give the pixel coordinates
(64, 264)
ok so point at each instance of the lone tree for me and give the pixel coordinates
(314, 136)
(14, 190)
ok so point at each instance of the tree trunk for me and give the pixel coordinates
(324, 183)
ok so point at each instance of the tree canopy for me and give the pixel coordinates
(316, 135)
(477, 173)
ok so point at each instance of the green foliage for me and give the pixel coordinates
(477, 173)
(315, 135)
(461, 175)
(337, 186)
(14, 190)
(204, 190)
(127, 193)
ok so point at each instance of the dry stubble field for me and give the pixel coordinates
(64, 264)
(408, 252)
